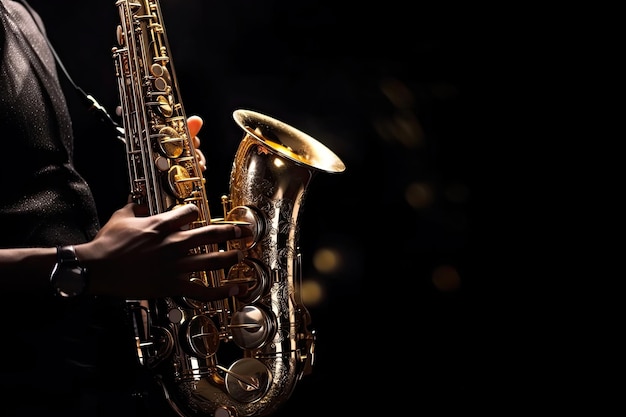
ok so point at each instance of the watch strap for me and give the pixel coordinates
(67, 255)
(69, 277)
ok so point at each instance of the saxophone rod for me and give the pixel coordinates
(251, 381)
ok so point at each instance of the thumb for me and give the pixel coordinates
(194, 123)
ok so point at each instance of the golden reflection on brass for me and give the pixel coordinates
(170, 143)
(177, 178)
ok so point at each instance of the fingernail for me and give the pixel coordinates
(234, 290)
(240, 256)
(237, 232)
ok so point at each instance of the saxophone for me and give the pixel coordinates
(240, 356)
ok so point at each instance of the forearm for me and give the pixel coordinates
(26, 269)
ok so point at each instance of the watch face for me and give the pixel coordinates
(68, 280)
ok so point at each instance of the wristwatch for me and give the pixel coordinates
(69, 277)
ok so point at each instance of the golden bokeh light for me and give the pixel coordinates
(446, 278)
(419, 195)
(311, 293)
(326, 260)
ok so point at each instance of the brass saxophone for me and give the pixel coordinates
(240, 356)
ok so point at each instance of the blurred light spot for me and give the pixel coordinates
(326, 260)
(457, 193)
(419, 195)
(446, 278)
(402, 125)
(397, 92)
(311, 293)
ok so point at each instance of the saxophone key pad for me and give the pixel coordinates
(247, 380)
(201, 336)
(162, 164)
(251, 327)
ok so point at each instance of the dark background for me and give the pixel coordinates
(390, 89)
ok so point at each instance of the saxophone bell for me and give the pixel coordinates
(288, 141)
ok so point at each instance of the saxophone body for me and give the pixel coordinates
(240, 356)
